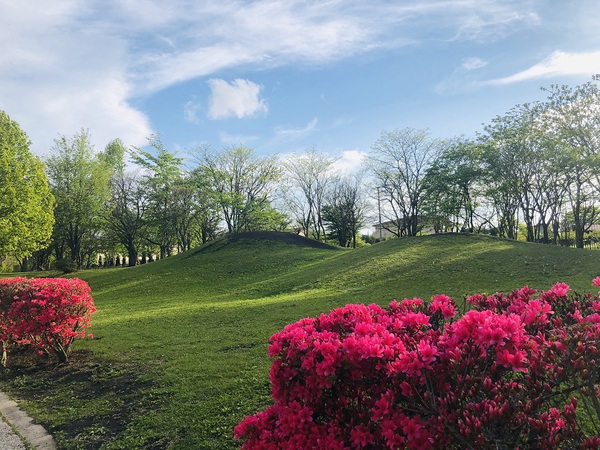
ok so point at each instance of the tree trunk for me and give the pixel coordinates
(577, 221)
(545, 235)
(579, 234)
(132, 255)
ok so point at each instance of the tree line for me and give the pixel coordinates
(531, 171)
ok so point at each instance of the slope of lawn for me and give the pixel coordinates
(179, 354)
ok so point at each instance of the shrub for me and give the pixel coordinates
(65, 265)
(45, 313)
(506, 374)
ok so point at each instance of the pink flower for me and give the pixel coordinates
(513, 359)
(411, 303)
(596, 281)
(361, 436)
(444, 304)
(415, 320)
(406, 389)
(536, 311)
(427, 352)
(560, 289)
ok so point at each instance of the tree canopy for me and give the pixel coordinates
(26, 204)
(80, 181)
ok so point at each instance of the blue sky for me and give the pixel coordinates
(283, 76)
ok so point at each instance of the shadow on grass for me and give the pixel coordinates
(103, 397)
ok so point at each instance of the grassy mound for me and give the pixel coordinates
(187, 336)
(277, 236)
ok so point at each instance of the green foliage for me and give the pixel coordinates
(126, 218)
(26, 204)
(452, 187)
(541, 160)
(65, 265)
(114, 156)
(572, 124)
(80, 182)
(344, 212)
(164, 173)
(262, 216)
(241, 184)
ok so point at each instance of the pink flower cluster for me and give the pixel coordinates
(45, 313)
(505, 374)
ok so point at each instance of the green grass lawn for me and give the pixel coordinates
(179, 354)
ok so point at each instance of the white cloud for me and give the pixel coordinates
(240, 98)
(58, 76)
(559, 63)
(97, 105)
(350, 161)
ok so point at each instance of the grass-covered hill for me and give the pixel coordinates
(179, 355)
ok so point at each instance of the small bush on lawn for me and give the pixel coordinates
(65, 265)
(45, 313)
(507, 374)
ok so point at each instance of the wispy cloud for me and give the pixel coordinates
(463, 78)
(236, 139)
(190, 111)
(473, 63)
(559, 63)
(486, 20)
(240, 98)
(273, 33)
(84, 63)
(293, 133)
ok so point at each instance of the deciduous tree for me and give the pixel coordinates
(511, 153)
(344, 211)
(399, 162)
(242, 184)
(80, 181)
(573, 118)
(453, 184)
(307, 179)
(126, 219)
(26, 203)
(163, 172)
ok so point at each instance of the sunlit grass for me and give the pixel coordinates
(197, 325)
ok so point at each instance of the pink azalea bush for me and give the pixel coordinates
(517, 370)
(45, 313)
